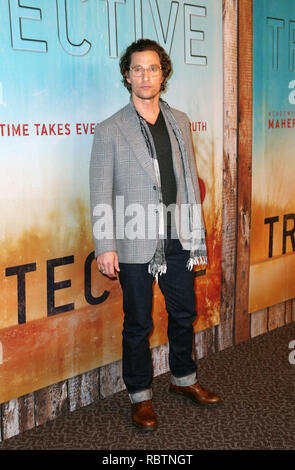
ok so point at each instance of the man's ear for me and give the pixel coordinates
(127, 77)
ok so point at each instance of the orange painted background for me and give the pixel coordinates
(70, 79)
(272, 243)
(46, 350)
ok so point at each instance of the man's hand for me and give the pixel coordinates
(108, 263)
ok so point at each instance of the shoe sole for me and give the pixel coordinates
(146, 429)
(197, 403)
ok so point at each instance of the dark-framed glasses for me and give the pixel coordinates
(153, 70)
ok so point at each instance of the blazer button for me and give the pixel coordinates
(155, 187)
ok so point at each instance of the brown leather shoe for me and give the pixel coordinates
(143, 415)
(198, 394)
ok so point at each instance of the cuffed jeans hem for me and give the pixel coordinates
(184, 381)
(141, 396)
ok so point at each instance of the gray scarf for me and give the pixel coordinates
(198, 251)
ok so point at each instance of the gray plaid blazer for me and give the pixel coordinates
(121, 166)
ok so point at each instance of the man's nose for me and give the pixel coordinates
(146, 71)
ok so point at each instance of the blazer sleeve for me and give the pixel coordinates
(101, 180)
(191, 159)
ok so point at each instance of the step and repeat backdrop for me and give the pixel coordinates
(272, 246)
(59, 76)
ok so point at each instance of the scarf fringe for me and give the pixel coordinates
(196, 260)
(157, 269)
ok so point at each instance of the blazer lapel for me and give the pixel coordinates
(130, 127)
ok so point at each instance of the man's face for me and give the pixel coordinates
(145, 86)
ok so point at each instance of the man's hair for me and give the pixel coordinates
(140, 46)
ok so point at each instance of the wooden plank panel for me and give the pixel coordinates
(242, 317)
(18, 415)
(160, 359)
(10, 419)
(83, 389)
(259, 322)
(110, 379)
(276, 316)
(204, 342)
(288, 315)
(74, 392)
(51, 402)
(26, 412)
(229, 220)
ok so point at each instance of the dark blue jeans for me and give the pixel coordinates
(177, 286)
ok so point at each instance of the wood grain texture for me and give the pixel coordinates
(276, 316)
(245, 79)
(224, 337)
(18, 415)
(51, 402)
(10, 418)
(83, 389)
(259, 322)
(26, 412)
(160, 359)
(110, 379)
(288, 313)
(204, 343)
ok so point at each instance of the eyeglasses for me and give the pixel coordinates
(153, 70)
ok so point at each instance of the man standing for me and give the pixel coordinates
(142, 156)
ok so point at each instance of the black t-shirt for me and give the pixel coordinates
(164, 154)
